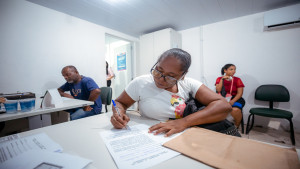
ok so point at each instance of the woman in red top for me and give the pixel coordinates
(234, 86)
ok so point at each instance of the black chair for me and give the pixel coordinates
(106, 95)
(242, 122)
(272, 93)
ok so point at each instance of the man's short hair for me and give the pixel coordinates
(73, 68)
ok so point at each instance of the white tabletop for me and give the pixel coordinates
(67, 104)
(81, 137)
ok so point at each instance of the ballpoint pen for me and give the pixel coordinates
(117, 109)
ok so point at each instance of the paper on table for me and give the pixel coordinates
(40, 159)
(52, 99)
(11, 149)
(135, 148)
(9, 138)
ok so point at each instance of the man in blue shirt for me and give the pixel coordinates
(83, 88)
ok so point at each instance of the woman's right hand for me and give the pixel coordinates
(119, 121)
(226, 77)
(122, 102)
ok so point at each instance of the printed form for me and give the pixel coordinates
(37, 151)
(14, 147)
(135, 148)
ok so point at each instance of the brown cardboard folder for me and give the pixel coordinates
(225, 151)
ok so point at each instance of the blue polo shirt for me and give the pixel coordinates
(82, 91)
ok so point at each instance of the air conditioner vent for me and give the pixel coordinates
(282, 18)
(285, 24)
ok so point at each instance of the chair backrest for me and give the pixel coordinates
(272, 93)
(106, 95)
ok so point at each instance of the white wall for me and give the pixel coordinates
(154, 44)
(192, 43)
(260, 57)
(37, 42)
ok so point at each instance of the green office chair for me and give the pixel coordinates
(106, 95)
(272, 93)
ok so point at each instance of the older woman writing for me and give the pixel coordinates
(161, 95)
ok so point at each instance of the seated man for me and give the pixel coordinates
(83, 88)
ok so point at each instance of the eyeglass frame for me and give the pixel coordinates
(161, 75)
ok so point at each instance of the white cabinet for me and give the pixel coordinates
(152, 45)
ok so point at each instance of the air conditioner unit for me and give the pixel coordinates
(282, 18)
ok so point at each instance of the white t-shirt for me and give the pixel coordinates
(110, 72)
(158, 103)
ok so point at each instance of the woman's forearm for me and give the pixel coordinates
(124, 101)
(219, 86)
(214, 112)
(122, 107)
(238, 95)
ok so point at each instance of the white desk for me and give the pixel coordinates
(81, 137)
(41, 117)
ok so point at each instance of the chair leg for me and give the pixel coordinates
(252, 122)
(242, 123)
(292, 131)
(106, 108)
(248, 128)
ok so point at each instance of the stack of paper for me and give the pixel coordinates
(135, 148)
(37, 151)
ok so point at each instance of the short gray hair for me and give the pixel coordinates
(183, 56)
(73, 68)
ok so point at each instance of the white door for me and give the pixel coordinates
(122, 68)
(119, 58)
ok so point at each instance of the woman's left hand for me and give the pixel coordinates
(231, 102)
(169, 127)
(2, 100)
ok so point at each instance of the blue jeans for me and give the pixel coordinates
(80, 113)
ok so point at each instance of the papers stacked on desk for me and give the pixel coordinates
(36, 151)
(135, 148)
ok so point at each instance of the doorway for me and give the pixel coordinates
(119, 58)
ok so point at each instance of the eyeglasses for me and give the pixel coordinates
(157, 74)
(170, 80)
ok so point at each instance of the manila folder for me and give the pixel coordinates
(225, 151)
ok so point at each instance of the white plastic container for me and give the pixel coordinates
(11, 106)
(27, 104)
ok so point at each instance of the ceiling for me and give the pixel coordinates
(137, 17)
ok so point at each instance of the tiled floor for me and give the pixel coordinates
(273, 136)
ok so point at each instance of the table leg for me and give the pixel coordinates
(35, 122)
(46, 120)
(39, 121)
